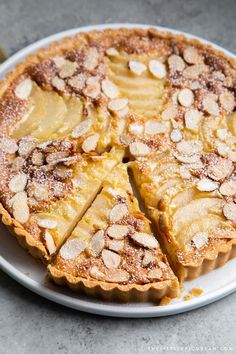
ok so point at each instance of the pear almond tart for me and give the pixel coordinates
(73, 113)
(112, 252)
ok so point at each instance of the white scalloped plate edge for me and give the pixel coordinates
(225, 276)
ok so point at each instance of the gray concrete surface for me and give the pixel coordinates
(30, 324)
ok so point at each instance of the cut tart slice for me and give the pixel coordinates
(112, 252)
(189, 196)
(47, 188)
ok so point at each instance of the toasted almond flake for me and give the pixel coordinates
(186, 97)
(148, 258)
(118, 212)
(192, 56)
(176, 63)
(136, 128)
(8, 145)
(37, 158)
(189, 147)
(93, 88)
(72, 248)
(56, 157)
(59, 61)
(192, 119)
(62, 172)
(111, 259)
(222, 134)
(90, 143)
(194, 71)
(157, 69)
(18, 183)
(227, 101)
(210, 105)
(97, 243)
(116, 245)
(229, 211)
(91, 60)
(184, 172)
(138, 148)
(39, 191)
(170, 112)
(96, 273)
(155, 273)
(112, 52)
(26, 145)
(118, 232)
(23, 89)
(82, 128)
(117, 276)
(228, 188)
(50, 244)
(118, 104)
(137, 67)
(58, 83)
(125, 140)
(220, 169)
(19, 197)
(189, 159)
(110, 89)
(223, 149)
(232, 156)
(20, 209)
(223, 233)
(123, 112)
(200, 239)
(207, 185)
(68, 69)
(47, 223)
(176, 135)
(78, 81)
(153, 127)
(18, 163)
(145, 240)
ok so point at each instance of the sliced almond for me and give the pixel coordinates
(96, 273)
(157, 69)
(90, 143)
(189, 159)
(232, 156)
(55, 157)
(47, 223)
(170, 112)
(18, 197)
(223, 149)
(112, 52)
(50, 244)
(186, 97)
(110, 89)
(58, 83)
(78, 81)
(18, 183)
(116, 245)
(176, 135)
(207, 185)
(136, 129)
(155, 273)
(68, 69)
(8, 145)
(148, 258)
(153, 127)
(222, 134)
(18, 163)
(118, 232)
(220, 169)
(23, 89)
(227, 101)
(145, 240)
(59, 61)
(229, 211)
(200, 239)
(111, 259)
(185, 172)
(97, 243)
(189, 147)
(93, 88)
(82, 128)
(192, 56)
(62, 172)
(117, 276)
(91, 60)
(26, 145)
(72, 248)
(138, 148)
(194, 71)
(125, 139)
(40, 192)
(192, 119)
(123, 112)
(228, 188)
(118, 104)
(20, 209)
(118, 212)
(37, 158)
(210, 105)
(176, 63)
(137, 67)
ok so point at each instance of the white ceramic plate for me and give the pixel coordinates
(31, 273)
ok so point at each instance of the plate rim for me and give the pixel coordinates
(112, 310)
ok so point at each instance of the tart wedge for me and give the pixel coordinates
(112, 252)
